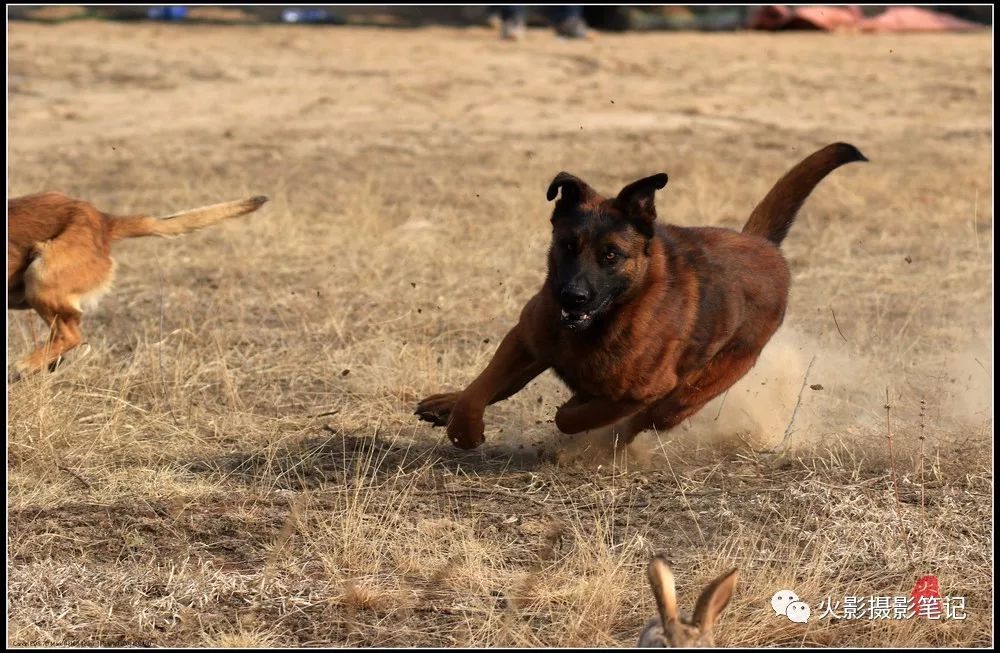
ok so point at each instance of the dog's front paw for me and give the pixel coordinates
(437, 408)
(563, 420)
(568, 416)
(465, 427)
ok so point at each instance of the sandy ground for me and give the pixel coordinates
(231, 460)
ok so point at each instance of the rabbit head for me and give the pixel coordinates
(672, 629)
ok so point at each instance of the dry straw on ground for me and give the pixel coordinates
(233, 461)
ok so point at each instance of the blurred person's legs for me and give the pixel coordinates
(493, 18)
(512, 24)
(568, 21)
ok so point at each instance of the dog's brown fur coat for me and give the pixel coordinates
(59, 256)
(700, 305)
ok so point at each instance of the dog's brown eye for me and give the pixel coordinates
(569, 246)
(610, 255)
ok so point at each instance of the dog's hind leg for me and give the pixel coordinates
(64, 335)
(60, 274)
(693, 393)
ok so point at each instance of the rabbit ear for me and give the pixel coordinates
(714, 599)
(662, 580)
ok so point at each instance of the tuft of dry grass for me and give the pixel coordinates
(232, 461)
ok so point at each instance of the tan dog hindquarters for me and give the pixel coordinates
(59, 258)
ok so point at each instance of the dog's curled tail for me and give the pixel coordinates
(181, 223)
(773, 217)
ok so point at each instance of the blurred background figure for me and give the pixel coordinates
(567, 20)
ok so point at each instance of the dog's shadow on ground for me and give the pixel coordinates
(335, 456)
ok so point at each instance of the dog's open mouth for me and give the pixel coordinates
(574, 320)
(580, 319)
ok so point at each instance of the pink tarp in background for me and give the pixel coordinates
(850, 18)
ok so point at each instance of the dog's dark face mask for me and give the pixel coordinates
(600, 247)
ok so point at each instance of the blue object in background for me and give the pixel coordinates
(305, 16)
(170, 12)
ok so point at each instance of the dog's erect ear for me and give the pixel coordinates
(575, 191)
(636, 200)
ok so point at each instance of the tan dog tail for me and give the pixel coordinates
(773, 217)
(136, 226)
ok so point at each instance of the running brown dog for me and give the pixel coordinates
(645, 322)
(59, 257)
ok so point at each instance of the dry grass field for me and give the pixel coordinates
(231, 460)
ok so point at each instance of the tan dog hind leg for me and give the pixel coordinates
(58, 277)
